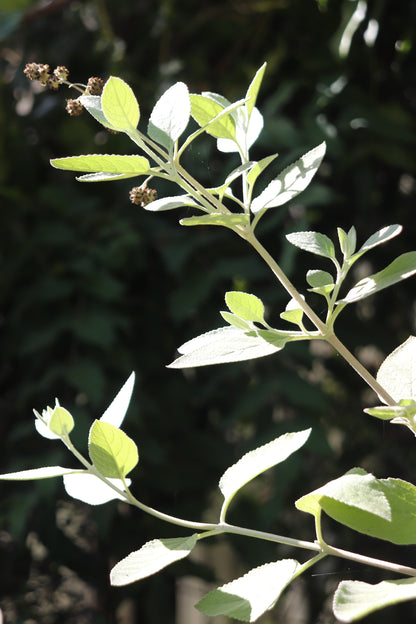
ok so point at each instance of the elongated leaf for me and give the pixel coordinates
(354, 600)
(247, 307)
(116, 411)
(257, 461)
(397, 374)
(92, 103)
(169, 203)
(382, 508)
(112, 452)
(92, 490)
(213, 116)
(37, 473)
(251, 595)
(226, 220)
(254, 88)
(292, 181)
(105, 177)
(347, 242)
(221, 346)
(104, 163)
(401, 268)
(259, 168)
(314, 242)
(170, 116)
(378, 238)
(151, 558)
(119, 105)
(235, 321)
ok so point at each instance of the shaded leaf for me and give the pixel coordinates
(151, 558)
(347, 242)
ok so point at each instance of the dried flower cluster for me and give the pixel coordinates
(141, 195)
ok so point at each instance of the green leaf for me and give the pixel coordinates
(247, 307)
(354, 600)
(227, 220)
(401, 268)
(378, 238)
(235, 321)
(92, 490)
(37, 473)
(314, 242)
(215, 118)
(254, 88)
(347, 242)
(293, 313)
(251, 595)
(169, 203)
(319, 279)
(61, 422)
(257, 461)
(104, 177)
(221, 346)
(119, 105)
(104, 163)
(116, 411)
(112, 452)
(152, 557)
(276, 337)
(92, 103)
(292, 181)
(259, 168)
(397, 374)
(381, 508)
(170, 116)
(247, 131)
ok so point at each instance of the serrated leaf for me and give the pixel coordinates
(92, 103)
(152, 557)
(397, 374)
(401, 268)
(378, 238)
(213, 116)
(226, 220)
(257, 461)
(235, 321)
(381, 508)
(169, 203)
(314, 242)
(221, 346)
(170, 115)
(37, 473)
(116, 411)
(354, 600)
(90, 489)
(112, 452)
(247, 307)
(254, 88)
(292, 181)
(105, 177)
(61, 422)
(259, 168)
(104, 163)
(119, 105)
(251, 595)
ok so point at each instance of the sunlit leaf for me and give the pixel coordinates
(112, 452)
(254, 88)
(151, 558)
(213, 116)
(314, 242)
(226, 220)
(104, 163)
(92, 490)
(397, 374)
(116, 411)
(119, 105)
(169, 203)
(380, 237)
(170, 115)
(248, 307)
(259, 168)
(37, 473)
(92, 103)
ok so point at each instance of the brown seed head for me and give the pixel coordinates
(61, 73)
(74, 107)
(94, 86)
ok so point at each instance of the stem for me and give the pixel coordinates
(377, 563)
(327, 333)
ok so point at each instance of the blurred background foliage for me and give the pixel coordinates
(92, 287)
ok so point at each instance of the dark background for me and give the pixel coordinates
(92, 287)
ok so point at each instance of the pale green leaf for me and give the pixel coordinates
(292, 181)
(354, 600)
(105, 177)
(257, 461)
(170, 115)
(214, 117)
(112, 452)
(401, 268)
(37, 473)
(92, 490)
(247, 307)
(247, 131)
(314, 242)
(293, 312)
(116, 411)
(378, 238)
(119, 105)
(347, 242)
(318, 279)
(259, 168)
(235, 321)
(151, 558)
(104, 163)
(397, 374)
(254, 88)
(92, 103)
(251, 595)
(227, 220)
(169, 203)
(221, 346)
(61, 422)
